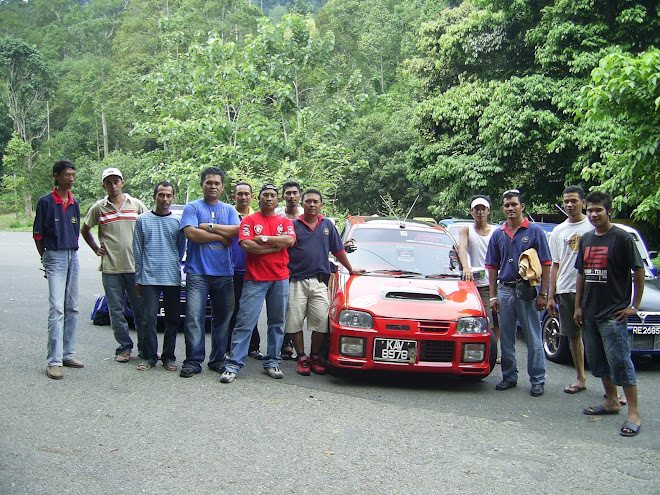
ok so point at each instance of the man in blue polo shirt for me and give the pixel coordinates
(310, 272)
(504, 249)
(210, 227)
(56, 230)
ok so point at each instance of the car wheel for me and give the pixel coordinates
(556, 346)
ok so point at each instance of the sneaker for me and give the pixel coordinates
(227, 377)
(275, 372)
(317, 365)
(73, 363)
(303, 365)
(54, 372)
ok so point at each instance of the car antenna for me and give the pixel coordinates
(391, 210)
(561, 209)
(402, 223)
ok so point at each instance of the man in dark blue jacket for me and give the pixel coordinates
(56, 230)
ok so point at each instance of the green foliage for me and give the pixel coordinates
(625, 89)
(16, 178)
(251, 109)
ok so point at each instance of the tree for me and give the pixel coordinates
(625, 90)
(26, 80)
(14, 180)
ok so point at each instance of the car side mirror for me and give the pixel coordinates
(478, 273)
(653, 254)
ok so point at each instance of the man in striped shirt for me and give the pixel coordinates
(115, 216)
(158, 246)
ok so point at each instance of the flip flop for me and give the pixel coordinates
(170, 366)
(629, 429)
(574, 389)
(597, 411)
(145, 366)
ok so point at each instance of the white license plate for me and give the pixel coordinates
(646, 330)
(395, 350)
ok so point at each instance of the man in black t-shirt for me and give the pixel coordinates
(606, 258)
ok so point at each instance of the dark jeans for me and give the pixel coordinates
(255, 340)
(172, 307)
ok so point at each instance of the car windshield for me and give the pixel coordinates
(403, 252)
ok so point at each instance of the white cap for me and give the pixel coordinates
(480, 201)
(111, 171)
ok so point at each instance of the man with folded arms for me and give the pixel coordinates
(265, 236)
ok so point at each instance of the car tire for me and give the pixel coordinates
(556, 346)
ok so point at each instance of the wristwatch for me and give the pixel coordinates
(544, 295)
(210, 227)
(264, 239)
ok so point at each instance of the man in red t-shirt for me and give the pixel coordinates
(265, 237)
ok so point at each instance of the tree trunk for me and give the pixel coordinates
(104, 130)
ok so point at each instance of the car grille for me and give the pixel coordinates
(651, 319)
(434, 326)
(437, 351)
(642, 341)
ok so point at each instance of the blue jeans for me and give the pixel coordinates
(608, 351)
(221, 290)
(172, 307)
(512, 310)
(62, 273)
(115, 284)
(276, 295)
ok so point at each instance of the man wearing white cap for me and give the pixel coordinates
(115, 216)
(473, 243)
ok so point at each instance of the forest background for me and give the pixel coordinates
(439, 99)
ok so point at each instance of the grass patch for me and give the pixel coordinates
(8, 221)
(656, 262)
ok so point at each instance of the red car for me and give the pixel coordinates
(410, 310)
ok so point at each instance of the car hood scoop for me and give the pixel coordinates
(415, 294)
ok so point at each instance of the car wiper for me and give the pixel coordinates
(444, 275)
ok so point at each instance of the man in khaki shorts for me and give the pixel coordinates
(564, 243)
(309, 268)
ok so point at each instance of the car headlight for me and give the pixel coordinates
(473, 353)
(355, 319)
(472, 324)
(351, 346)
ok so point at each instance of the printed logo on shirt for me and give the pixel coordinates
(258, 229)
(326, 231)
(280, 229)
(525, 239)
(573, 242)
(595, 264)
(74, 220)
(246, 231)
(290, 230)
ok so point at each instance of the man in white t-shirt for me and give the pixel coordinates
(564, 244)
(473, 243)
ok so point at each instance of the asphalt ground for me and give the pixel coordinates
(109, 428)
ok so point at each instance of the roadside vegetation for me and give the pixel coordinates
(426, 100)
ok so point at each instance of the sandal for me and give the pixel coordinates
(170, 366)
(146, 365)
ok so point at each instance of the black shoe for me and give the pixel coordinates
(256, 354)
(505, 385)
(536, 390)
(187, 372)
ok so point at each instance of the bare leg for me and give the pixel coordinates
(577, 351)
(317, 342)
(612, 399)
(633, 409)
(298, 342)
